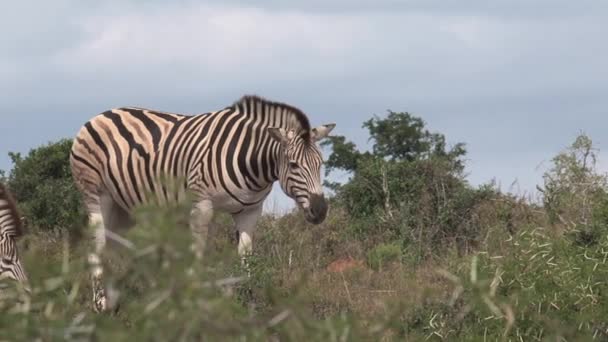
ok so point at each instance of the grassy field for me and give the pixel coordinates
(317, 283)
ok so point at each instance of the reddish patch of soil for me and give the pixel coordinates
(344, 264)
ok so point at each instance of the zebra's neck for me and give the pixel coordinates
(265, 156)
(9, 218)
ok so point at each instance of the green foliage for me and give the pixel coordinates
(163, 292)
(383, 254)
(398, 137)
(43, 187)
(575, 193)
(344, 155)
(401, 136)
(572, 186)
(411, 188)
(531, 286)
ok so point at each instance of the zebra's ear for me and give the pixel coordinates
(322, 131)
(278, 134)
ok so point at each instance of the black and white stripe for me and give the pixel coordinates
(129, 151)
(10, 231)
(226, 160)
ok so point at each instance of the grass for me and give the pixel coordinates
(532, 284)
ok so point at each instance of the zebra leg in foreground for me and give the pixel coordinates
(99, 237)
(200, 218)
(114, 219)
(245, 224)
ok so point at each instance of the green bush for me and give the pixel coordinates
(163, 293)
(411, 188)
(383, 254)
(44, 190)
(573, 187)
(535, 286)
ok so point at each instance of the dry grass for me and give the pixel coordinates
(530, 283)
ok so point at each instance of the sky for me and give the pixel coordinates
(515, 80)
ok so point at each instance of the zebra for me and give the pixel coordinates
(10, 230)
(227, 160)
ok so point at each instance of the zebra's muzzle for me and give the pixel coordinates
(317, 211)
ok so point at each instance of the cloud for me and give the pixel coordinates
(198, 48)
(516, 80)
(214, 39)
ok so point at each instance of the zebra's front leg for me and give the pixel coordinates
(200, 218)
(245, 222)
(96, 267)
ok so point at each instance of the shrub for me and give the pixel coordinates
(411, 188)
(573, 187)
(43, 188)
(536, 286)
(163, 292)
(383, 254)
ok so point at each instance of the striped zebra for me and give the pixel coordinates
(10, 231)
(226, 160)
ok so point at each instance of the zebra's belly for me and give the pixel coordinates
(227, 203)
(165, 190)
(131, 196)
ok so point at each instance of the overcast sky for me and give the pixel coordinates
(515, 80)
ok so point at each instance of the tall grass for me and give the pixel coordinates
(532, 284)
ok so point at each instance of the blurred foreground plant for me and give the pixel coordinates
(161, 292)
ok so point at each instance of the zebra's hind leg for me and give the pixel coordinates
(96, 268)
(200, 218)
(245, 222)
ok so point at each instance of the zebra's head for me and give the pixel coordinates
(299, 167)
(10, 263)
(10, 230)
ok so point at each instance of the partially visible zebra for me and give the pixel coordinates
(10, 231)
(228, 161)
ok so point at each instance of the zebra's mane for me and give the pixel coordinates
(301, 118)
(12, 207)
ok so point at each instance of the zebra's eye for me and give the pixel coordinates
(293, 165)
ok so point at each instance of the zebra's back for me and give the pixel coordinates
(133, 154)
